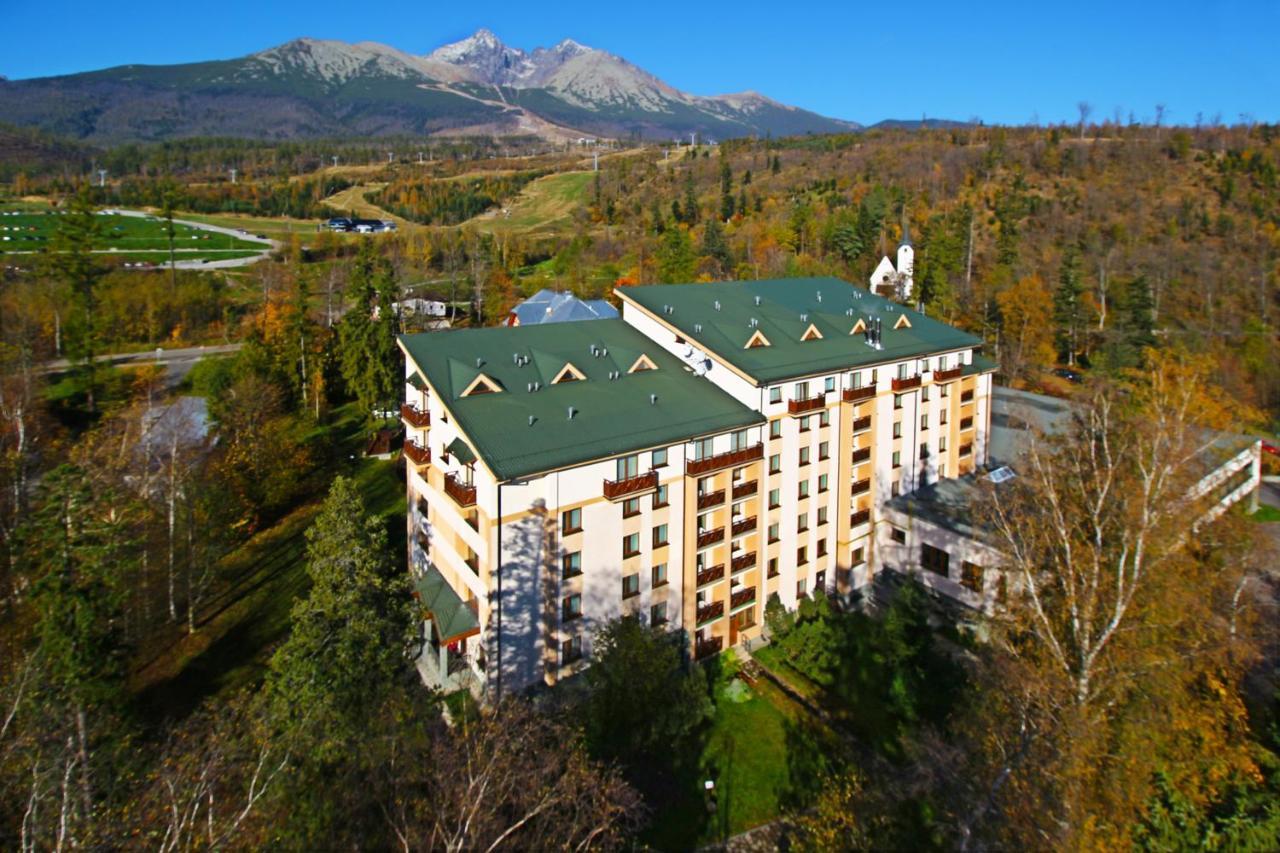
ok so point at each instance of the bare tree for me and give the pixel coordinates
(1086, 109)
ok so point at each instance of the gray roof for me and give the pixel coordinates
(551, 306)
(184, 423)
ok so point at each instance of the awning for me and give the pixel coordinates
(452, 617)
(458, 449)
(416, 380)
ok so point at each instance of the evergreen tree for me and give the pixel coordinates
(1068, 308)
(690, 199)
(777, 164)
(71, 262)
(676, 259)
(714, 245)
(726, 190)
(369, 356)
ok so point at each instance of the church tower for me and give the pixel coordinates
(906, 260)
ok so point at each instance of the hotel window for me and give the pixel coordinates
(775, 394)
(822, 515)
(898, 400)
(658, 614)
(659, 575)
(801, 391)
(775, 498)
(897, 429)
(773, 567)
(819, 580)
(631, 545)
(802, 489)
(897, 459)
(824, 450)
(802, 555)
(572, 564)
(702, 449)
(924, 394)
(773, 533)
(802, 522)
(659, 536)
(924, 421)
(858, 557)
(660, 458)
(630, 507)
(628, 467)
(823, 481)
(942, 417)
(971, 576)
(804, 424)
(704, 522)
(855, 379)
(902, 370)
(824, 418)
(942, 471)
(738, 441)
(572, 608)
(704, 486)
(897, 534)
(631, 585)
(571, 521)
(570, 650)
(822, 552)
(775, 429)
(804, 456)
(946, 391)
(802, 589)
(775, 463)
(934, 559)
(829, 384)
(894, 488)
(661, 497)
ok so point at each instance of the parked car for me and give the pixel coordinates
(1068, 374)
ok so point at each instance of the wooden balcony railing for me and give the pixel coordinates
(947, 375)
(711, 499)
(742, 490)
(862, 424)
(906, 384)
(966, 423)
(861, 487)
(416, 453)
(744, 525)
(708, 647)
(707, 612)
(742, 596)
(862, 516)
(862, 454)
(615, 489)
(725, 460)
(966, 396)
(711, 574)
(710, 537)
(799, 407)
(743, 562)
(414, 416)
(966, 449)
(852, 395)
(462, 494)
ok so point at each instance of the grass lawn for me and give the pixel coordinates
(31, 232)
(270, 227)
(1266, 514)
(541, 206)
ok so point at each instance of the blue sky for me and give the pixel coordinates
(1003, 62)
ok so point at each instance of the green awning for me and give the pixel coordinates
(452, 617)
(981, 364)
(458, 448)
(416, 380)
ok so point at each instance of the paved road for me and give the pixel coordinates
(178, 362)
(268, 244)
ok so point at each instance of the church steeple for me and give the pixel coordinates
(906, 228)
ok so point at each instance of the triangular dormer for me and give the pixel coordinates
(568, 373)
(902, 321)
(859, 327)
(642, 363)
(811, 334)
(757, 339)
(481, 385)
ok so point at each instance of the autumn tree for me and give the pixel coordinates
(1026, 328)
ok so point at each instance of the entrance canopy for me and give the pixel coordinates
(452, 618)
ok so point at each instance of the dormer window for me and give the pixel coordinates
(903, 322)
(811, 334)
(568, 373)
(642, 363)
(757, 339)
(481, 385)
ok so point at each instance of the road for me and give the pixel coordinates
(178, 362)
(268, 244)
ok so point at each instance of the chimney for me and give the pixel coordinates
(572, 412)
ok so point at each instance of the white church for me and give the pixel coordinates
(896, 282)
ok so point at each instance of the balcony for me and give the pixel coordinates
(861, 487)
(708, 648)
(708, 612)
(947, 375)
(966, 449)
(799, 407)
(711, 499)
(709, 575)
(742, 562)
(710, 537)
(741, 597)
(416, 453)
(966, 423)
(414, 416)
(853, 395)
(725, 460)
(462, 494)
(862, 516)
(742, 490)
(862, 425)
(862, 454)
(615, 489)
(744, 525)
(907, 384)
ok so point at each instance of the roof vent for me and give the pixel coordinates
(531, 420)
(849, 313)
(697, 328)
(717, 303)
(479, 362)
(515, 359)
(537, 385)
(757, 300)
(653, 399)
(572, 412)
(804, 318)
(594, 350)
(819, 295)
(529, 387)
(604, 352)
(754, 322)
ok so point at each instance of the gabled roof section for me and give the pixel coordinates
(903, 322)
(524, 432)
(811, 334)
(642, 363)
(481, 385)
(568, 373)
(775, 308)
(551, 306)
(757, 339)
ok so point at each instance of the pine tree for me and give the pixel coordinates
(1068, 310)
(368, 353)
(676, 260)
(690, 199)
(726, 190)
(777, 164)
(714, 245)
(71, 262)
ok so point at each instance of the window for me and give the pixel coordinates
(804, 424)
(804, 456)
(802, 522)
(855, 379)
(824, 418)
(570, 651)
(704, 522)
(822, 552)
(924, 394)
(773, 567)
(897, 429)
(942, 417)
(775, 498)
(897, 534)
(823, 481)
(824, 450)
(924, 451)
(858, 557)
(659, 536)
(775, 429)
(897, 459)
(631, 545)
(822, 515)
(661, 498)
(773, 533)
(801, 391)
(571, 521)
(934, 559)
(924, 421)
(942, 444)
(902, 370)
(702, 449)
(802, 489)
(658, 614)
(631, 585)
(894, 488)
(659, 575)
(738, 441)
(572, 608)
(775, 463)
(898, 400)
(572, 564)
(802, 555)
(971, 576)
(630, 507)
(775, 394)
(820, 580)
(802, 589)
(704, 486)
(660, 458)
(628, 467)
(946, 391)
(829, 384)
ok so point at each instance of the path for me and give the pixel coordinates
(238, 233)
(177, 362)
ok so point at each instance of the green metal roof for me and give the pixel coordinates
(452, 618)
(980, 364)
(611, 416)
(823, 302)
(416, 380)
(459, 448)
